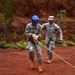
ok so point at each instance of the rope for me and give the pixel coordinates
(58, 56)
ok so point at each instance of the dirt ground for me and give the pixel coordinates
(15, 62)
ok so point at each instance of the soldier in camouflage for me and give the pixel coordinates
(51, 29)
(33, 32)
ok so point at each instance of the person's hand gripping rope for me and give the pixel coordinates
(35, 37)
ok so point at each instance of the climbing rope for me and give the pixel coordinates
(58, 56)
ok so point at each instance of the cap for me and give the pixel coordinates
(51, 18)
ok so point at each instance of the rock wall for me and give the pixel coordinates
(24, 9)
(27, 8)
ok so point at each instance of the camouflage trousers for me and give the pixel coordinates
(37, 46)
(50, 44)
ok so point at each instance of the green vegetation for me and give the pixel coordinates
(73, 37)
(15, 35)
(67, 43)
(1, 34)
(21, 45)
(6, 14)
(18, 45)
(61, 18)
(62, 14)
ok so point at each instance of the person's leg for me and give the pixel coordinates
(51, 49)
(31, 54)
(50, 44)
(48, 52)
(39, 56)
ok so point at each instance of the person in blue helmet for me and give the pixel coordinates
(33, 32)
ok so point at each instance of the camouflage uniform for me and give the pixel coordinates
(30, 29)
(51, 36)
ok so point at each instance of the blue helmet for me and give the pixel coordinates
(35, 19)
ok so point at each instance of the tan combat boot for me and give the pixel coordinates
(40, 69)
(32, 65)
(49, 61)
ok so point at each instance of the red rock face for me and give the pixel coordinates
(27, 8)
(42, 8)
(24, 9)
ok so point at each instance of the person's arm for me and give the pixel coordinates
(43, 25)
(28, 33)
(39, 35)
(27, 30)
(60, 32)
(40, 32)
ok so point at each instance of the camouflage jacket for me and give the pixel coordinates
(30, 29)
(52, 30)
